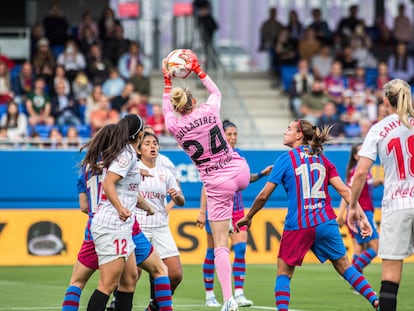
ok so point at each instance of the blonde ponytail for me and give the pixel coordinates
(398, 93)
(181, 99)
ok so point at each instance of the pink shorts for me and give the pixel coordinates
(220, 197)
(87, 255)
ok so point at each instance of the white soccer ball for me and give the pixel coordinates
(175, 63)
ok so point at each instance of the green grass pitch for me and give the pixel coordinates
(314, 287)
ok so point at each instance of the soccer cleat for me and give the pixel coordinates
(242, 301)
(212, 302)
(230, 305)
(152, 306)
(376, 305)
(111, 307)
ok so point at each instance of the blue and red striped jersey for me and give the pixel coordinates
(305, 179)
(90, 184)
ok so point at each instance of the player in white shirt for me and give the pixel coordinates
(392, 139)
(112, 223)
(155, 191)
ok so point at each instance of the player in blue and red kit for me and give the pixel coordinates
(310, 224)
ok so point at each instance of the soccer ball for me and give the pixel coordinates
(175, 63)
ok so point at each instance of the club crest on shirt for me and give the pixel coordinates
(123, 162)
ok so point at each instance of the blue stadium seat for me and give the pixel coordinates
(43, 130)
(84, 131)
(3, 108)
(371, 75)
(287, 72)
(15, 71)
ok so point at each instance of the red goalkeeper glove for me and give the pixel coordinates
(193, 64)
(167, 77)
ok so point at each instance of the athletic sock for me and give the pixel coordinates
(98, 301)
(123, 301)
(223, 267)
(72, 298)
(360, 283)
(163, 297)
(388, 296)
(239, 266)
(208, 270)
(282, 292)
(364, 259)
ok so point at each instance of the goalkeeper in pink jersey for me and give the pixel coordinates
(198, 130)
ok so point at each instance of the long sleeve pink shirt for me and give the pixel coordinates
(202, 137)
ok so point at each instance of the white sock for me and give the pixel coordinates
(238, 292)
(209, 294)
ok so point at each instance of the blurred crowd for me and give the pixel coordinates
(335, 76)
(82, 77)
(77, 80)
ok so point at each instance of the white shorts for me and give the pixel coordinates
(111, 245)
(162, 240)
(396, 236)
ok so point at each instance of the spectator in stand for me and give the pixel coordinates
(72, 59)
(156, 121)
(139, 105)
(357, 82)
(206, 26)
(129, 60)
(346, 25)
(330, 117)
(5, 59)
(269, 32)
(116, 45)
(120, 102)
(36, 34)
(43, 61)
(106, 24)
(82, 89)
(56, 26)
(23, 83)
(335, 83)
(384, 45)
(103, 115)
(72, 139)
(55, 140)
(348, 61)
(92, 102)
(114, 85)
(382, 112)
(88, 22)
(141, 83)
(6, 92)
(312, 103)
(400, 64)
(320, 26)
(308, 45)
(87, 41)
(364, 126)
(361, 46)
(38, 105)
(295, 26)
(14, 121)
(382, 78)
(286, 49)
(97, 66)
(3, 137)
(402, 26)
(65, 109)
(322, 61)
(60, 75)
(300, 85)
